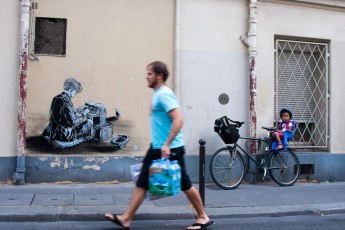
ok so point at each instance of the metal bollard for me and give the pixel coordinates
(202, 143)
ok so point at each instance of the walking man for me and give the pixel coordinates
(166, 142)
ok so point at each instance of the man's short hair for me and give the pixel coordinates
(160, 68)
(72, 84)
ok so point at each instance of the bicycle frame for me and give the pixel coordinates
(263, 163)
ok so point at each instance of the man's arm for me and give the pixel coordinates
(177, 123)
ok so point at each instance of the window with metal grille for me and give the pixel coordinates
(301, 85)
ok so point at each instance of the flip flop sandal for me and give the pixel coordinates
(202, 226)
(116, 221)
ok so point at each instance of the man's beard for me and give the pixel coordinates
(153, 84)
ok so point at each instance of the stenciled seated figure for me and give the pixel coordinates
(65, 124)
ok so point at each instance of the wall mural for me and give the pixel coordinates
(69, 127)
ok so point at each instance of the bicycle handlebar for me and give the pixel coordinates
(238, 123)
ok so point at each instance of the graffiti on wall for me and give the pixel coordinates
(69, 127)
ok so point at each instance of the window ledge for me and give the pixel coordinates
(335, 5)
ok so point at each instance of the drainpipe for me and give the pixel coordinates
(177, 49)
(19, 175)
(250, 40)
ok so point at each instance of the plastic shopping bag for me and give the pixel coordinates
(135, 171)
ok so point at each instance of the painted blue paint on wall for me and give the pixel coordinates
(79, 169)
(7, 167)
(88, 169)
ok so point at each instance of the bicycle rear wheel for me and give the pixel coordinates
(284, 167)
(227, 168)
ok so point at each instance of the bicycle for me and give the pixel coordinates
(227, 166)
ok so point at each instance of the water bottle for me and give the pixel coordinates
(173, 179)
(178, 176)
(169, 176)
(164, 177)
(154, 177)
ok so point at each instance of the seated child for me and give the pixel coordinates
(286, 124)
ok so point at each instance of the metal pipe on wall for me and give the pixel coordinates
(250, 40)
(177, 49)
(19, 175)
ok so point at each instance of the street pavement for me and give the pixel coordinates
(79, 202)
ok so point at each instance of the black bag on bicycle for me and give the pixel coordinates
(228, 132)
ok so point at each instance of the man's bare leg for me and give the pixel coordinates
(125, 219)
(194, 197)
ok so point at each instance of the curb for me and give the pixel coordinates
(173, 213)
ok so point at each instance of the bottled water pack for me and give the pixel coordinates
(165, 178)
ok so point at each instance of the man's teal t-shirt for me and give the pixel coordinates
(164, 100)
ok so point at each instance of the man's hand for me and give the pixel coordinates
(165, 151)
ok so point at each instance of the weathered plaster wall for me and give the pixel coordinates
(79, 169)
(293, 20)
(9, 75)
(109, 44)
(108, 47)
(213, 60)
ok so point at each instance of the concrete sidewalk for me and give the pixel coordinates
(54, 202)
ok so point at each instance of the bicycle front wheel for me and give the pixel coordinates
(227, 168)
(284, 167)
